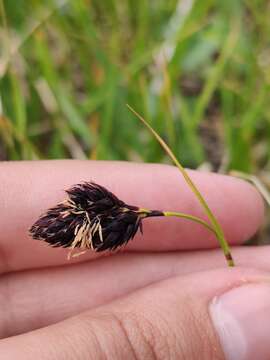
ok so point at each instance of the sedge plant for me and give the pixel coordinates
(92, 217)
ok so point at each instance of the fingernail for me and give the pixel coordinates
(242, 320)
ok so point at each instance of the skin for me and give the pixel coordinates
(116, 306)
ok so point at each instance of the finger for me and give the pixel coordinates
(40, 185)
(199, 316)
(37, 298)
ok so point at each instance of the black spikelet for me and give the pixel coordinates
(91, 217)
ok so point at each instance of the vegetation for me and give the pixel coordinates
(198, 71)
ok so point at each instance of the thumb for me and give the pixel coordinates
(210, 315)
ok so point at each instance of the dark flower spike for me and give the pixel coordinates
(90, 218)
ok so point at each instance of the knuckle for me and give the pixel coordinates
(148, 339)
(127, 335)
(157, 334)
(109, 338)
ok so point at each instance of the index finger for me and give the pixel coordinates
(29, 188)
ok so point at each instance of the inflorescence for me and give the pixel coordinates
(90, 218)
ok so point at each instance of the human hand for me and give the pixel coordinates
(152, 301)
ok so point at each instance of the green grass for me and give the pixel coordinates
(67, 69)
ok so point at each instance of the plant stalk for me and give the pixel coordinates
(155, 213)
(190, 217)
(215, 224)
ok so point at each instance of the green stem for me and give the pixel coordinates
(218, 230)
(209, 227)
(190, 217)
(155, 213)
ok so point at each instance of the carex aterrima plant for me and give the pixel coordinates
(92, 217)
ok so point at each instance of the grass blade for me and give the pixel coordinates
(219, 232)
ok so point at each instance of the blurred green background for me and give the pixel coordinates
(198, 71)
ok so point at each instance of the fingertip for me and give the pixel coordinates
(245, 211)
